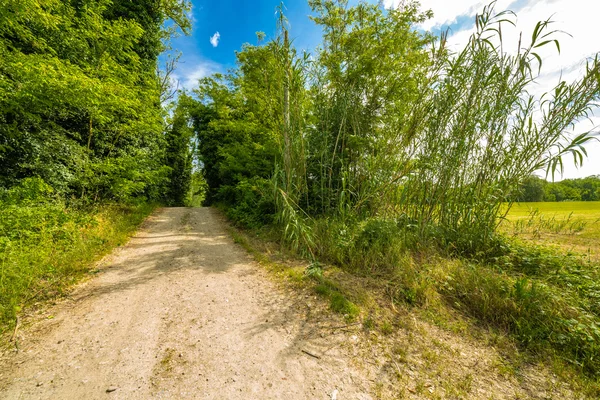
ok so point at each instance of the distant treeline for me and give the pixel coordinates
(583, 189)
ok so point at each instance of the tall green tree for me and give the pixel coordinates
(80, 96)
(532, 189)
(179, 153)
(370, 75)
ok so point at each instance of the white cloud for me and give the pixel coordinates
(188, 74)
(446, 11)
(575, 49)
(214, 39)
(566, 14)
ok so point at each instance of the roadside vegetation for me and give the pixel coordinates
(432, 342)
(390, 156)
(88, 145)
(385, 157)
(47, 245)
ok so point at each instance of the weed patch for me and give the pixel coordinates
(546, 299)
(47, 246)
(527, 318)
(337, 301)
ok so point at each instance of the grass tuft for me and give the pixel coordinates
(46, 247)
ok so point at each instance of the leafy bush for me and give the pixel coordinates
(28, 190)
(254, 206)
(45, 245)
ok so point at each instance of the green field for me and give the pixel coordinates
(573, 226)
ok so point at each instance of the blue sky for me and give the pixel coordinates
(237, 21)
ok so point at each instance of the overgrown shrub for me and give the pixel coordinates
(254, 205)
(45, 244)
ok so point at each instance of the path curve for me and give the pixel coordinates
(180, 312)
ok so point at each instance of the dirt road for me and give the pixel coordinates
(180, 312)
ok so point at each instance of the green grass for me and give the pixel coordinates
(47, 247)
(337, 301)
(538, 304)
(544, 297)
(587, 211)
(572, 226)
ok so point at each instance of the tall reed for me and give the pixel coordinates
(442, 139)
(484, 132)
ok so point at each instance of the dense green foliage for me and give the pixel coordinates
(85, 148)
(179, 154)
(45, 246)
(385, 145)
(237, 142)
(535, 189)
(80, 95)
(386, 121)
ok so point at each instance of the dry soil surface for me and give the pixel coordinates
(179, 312)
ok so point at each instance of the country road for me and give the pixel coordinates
(180, 312)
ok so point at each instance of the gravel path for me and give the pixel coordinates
(180, 312)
